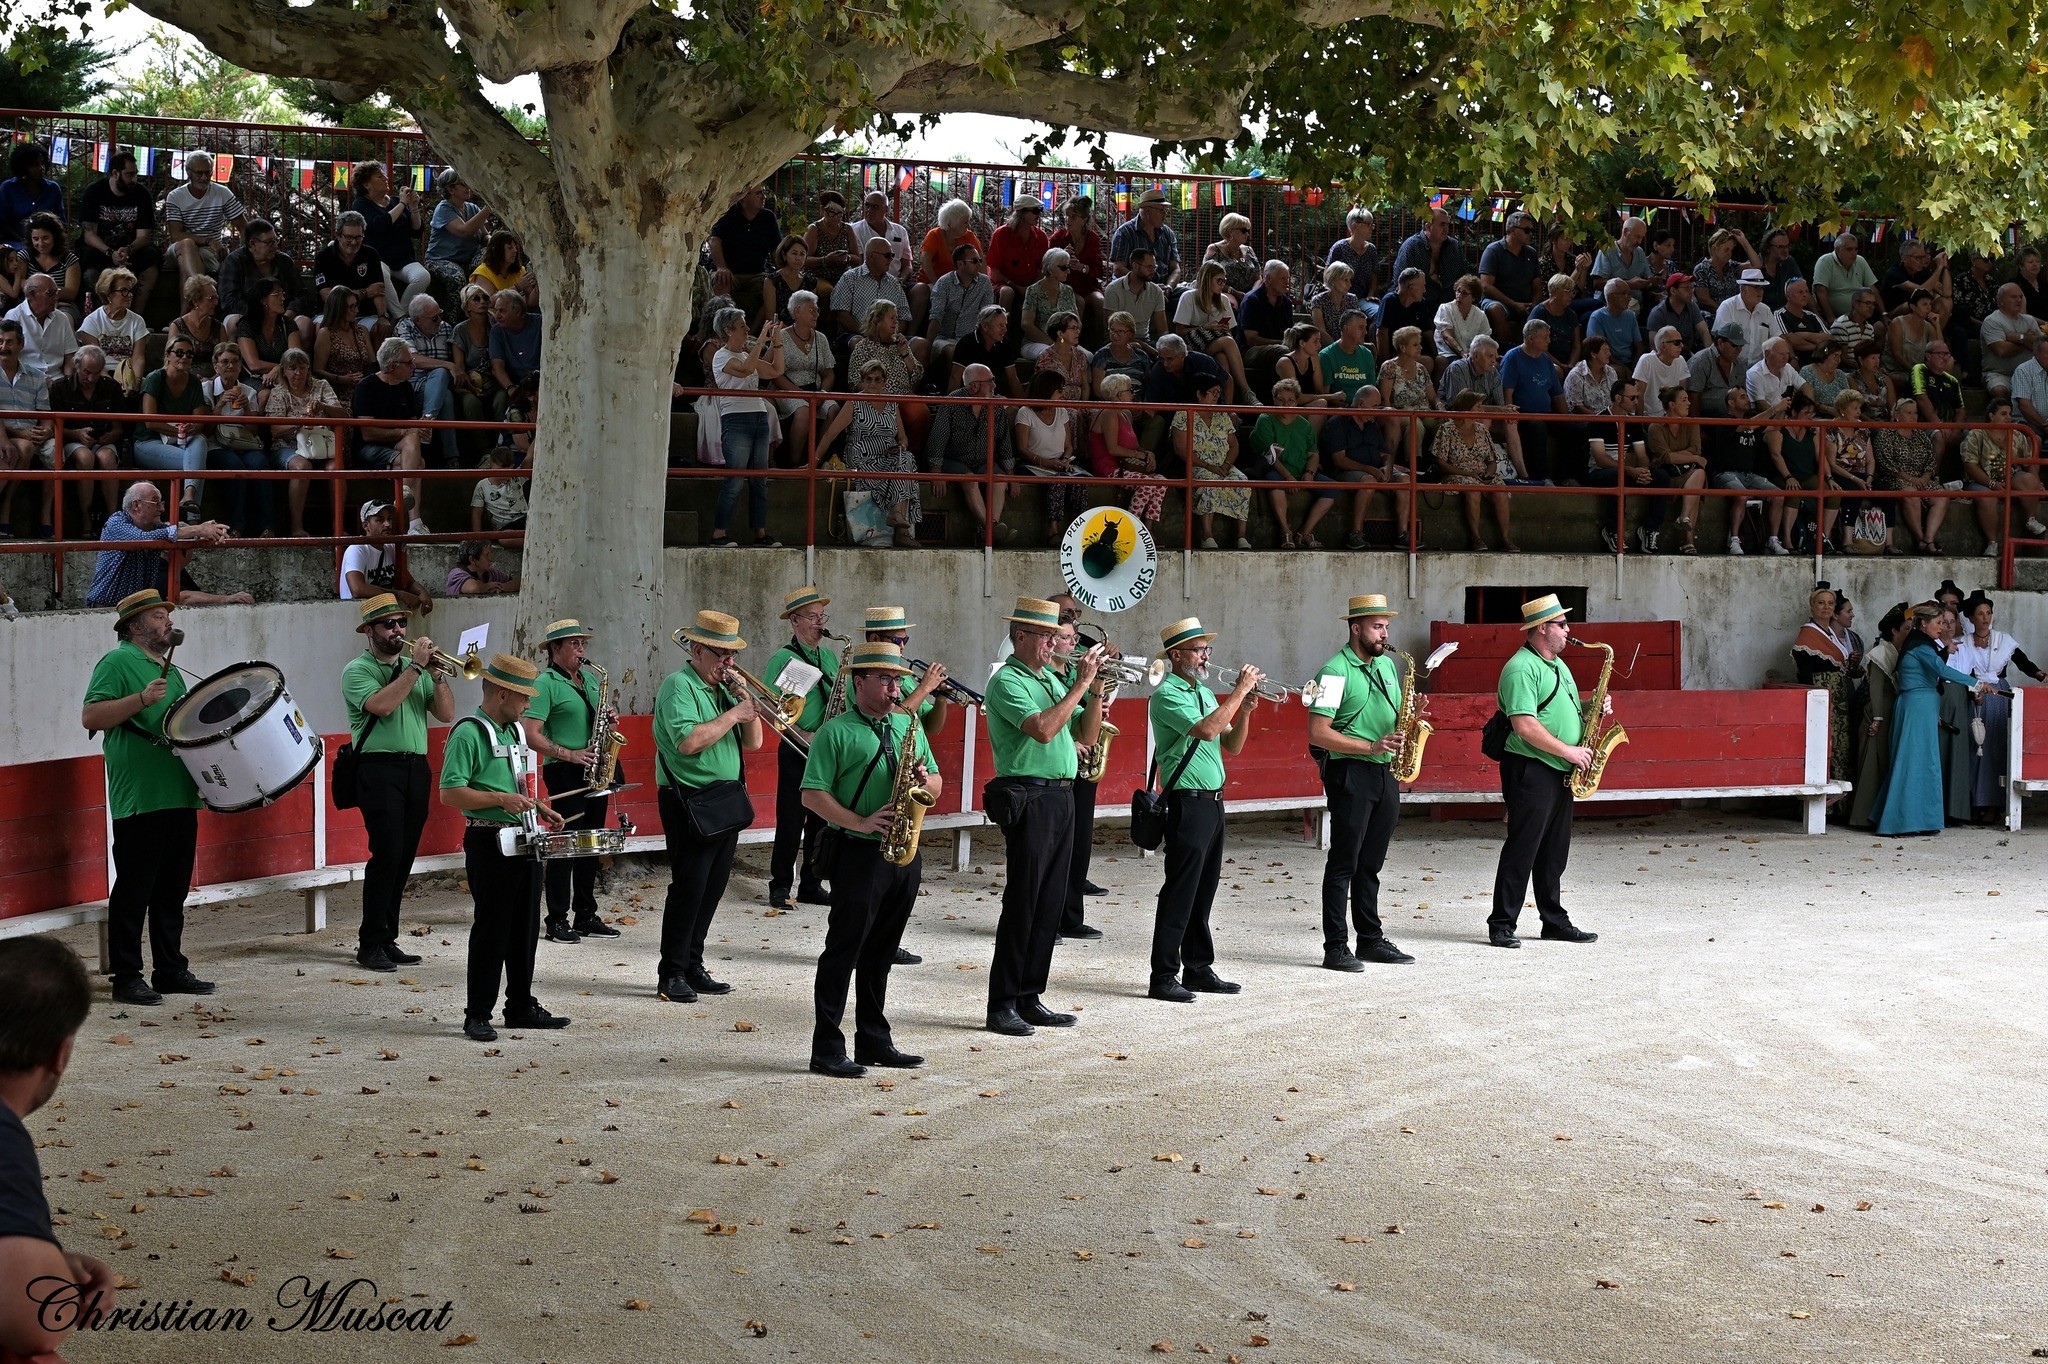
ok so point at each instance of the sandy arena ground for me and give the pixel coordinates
(1788, 1108)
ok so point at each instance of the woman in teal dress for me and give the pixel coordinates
(1912, 801)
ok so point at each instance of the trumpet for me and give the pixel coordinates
(465, 665)
(1125, 672)
(1268, 690)
(958, 693)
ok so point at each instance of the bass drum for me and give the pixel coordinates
(241, 736)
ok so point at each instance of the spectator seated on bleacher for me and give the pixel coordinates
(235, 446)
(1332, 301)
(455, 238)
(2008, 336)
(1907, 460)
(1121, 354)
(294, 392)
(47, 336)
(1460, 322)
(1748, 311)
(343, 353)
(808, 366)
(1986, 456)
(1348, 363)
(198, 215)
(958, 296)
(504, 267)
(1302, 362)
(254, 261)
(1628, 262)
(117, 226)
(1241, 262)
(1267, 311)
(1408, 305)
(1352, 449)
(1147, 228)
(1839, 274)
(1017, 251)
(199, 323)
(374, 566)
(952, 228)
(515, 351)
(1205, 317)
(1616, 324)
(874, 222)
(1680, 310)
(164, 440)
(25, 436)
(117, 327)
(1911, 332)
(49, 252)
(2030, 390)
(349, 262)
(1802, 327)
(959, 443)
(883, 342)
(1115, 452)
(1356, 252)
(473, 574)
(499, 500)
(27, 192)
(830, 240)
(388, 398)
(1663, 365)
(1136, 293)
(1937, 393)
(91, 444)
(1048, 297)
(788, 274)
(1466, 455)
(1824, 380)
(1208, 448)
(1085, 253)
(739, 245)
(437, 371)
(859, 290)
(265, 332)
(1917, 268)
(1508, 272)
(992, 344)
(117, 574)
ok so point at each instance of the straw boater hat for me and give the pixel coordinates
(801, 597)
(377, 608)
(135, 603)
(567, 629)
(881, 658)
(886, 618)
(1542, 611)
(1372, 604)
(1035, 611)
(1183, 632)
(513, 674)
(715, 630)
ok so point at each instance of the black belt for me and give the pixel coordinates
(1195, 793)
(1040, 781)
(391, 757)
(474, 823)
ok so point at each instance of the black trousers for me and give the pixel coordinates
(1073, 915)
(871, 903)
(697, 872)
(505, 892)
(572, 881)
(1365, 805)
(152, 874)
(1038, 852)
(1194, 865)
(392, 790)
(796, 828)
(1539, 839)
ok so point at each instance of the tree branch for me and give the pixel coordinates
(506, 43)
(403, 44)
(1131, 104)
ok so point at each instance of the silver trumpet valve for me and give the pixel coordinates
(957, 692)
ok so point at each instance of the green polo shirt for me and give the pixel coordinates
(1175, 709)
(841, 752)
(1369, 703)
(820, 658)
(908, 684)
(1015, 694)
(141, 776)
(684, 702)
(402, 731)
(473, 760)
(1524, 682)
(566, 709)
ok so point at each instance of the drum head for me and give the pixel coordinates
(223, 703)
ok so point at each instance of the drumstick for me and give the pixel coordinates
(177, 638)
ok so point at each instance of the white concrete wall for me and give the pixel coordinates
(46, 659)
(1280, 611)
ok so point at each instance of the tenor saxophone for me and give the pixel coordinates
(1603, 736)
(909, 800)
(835, 701)
(1409, 724)
(605, 739)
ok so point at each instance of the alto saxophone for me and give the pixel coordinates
(835, 702)
(1409, 724)
(1603, 736)
(1097, 762)
(605, 739)
(909, 800)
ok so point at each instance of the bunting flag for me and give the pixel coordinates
(1877, 232)
(145, 160)
(1123, 196)
(60, 151)
(904, 177)
(102, 156)
(1466, 211)
(1009, 191)
(1439, 199)
(1219, 196)
(1291, 196)
(223, 166)
(177, 165)
(1315, 196)
(420, 177)
(341, 175)
(305, 169)
(263, 165)
(1229, 194)
(1187, 194)
(980, 189)
(1046, 194)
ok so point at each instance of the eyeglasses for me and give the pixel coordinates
(396, 623)
(179, 352)
(123, 290)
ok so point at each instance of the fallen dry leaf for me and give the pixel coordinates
(635, 1304)
(1162, 1347)
(1195, 1243)
(742, 1026)
(759, 1328)
(336, 1253)
(1344, 1286)
(1605, 1283)
(464, 1339)
(1800, 1316)
(1173, 1156)
(1865, 1205)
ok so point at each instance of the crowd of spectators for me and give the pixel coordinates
(1428, 354)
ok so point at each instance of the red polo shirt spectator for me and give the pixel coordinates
(1016, 250)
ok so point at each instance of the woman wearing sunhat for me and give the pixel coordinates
(1191, 731)
(1544, 748)
(559, 726)
(484, 774)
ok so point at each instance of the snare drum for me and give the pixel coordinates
(241, 736)
(579, 843)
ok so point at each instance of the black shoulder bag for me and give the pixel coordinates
(1148, 807)
(1493, 740)
(714, 811)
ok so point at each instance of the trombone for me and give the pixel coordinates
(779, 709)
(958, 693)
(465, 665)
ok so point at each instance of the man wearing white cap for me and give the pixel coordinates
(373, 566)
(1544, 747)
(1748, 311)
(1191, 731)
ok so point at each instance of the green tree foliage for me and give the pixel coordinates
(44, 67)
(310, 100)
(183, 80)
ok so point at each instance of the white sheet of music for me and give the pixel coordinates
(797, 678)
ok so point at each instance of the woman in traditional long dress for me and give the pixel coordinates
(1985, 653)
(1957, 745)
(1881, 669)
(1912, 801)
(1820, 653)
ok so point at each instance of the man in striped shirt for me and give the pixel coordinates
(197, 212)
